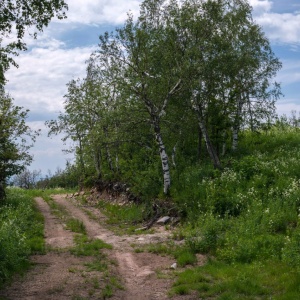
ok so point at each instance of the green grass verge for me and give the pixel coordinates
(85, 246)
(216, 280)
(123, 219)
(21, 233)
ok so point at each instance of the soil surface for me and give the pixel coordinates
(60, 275)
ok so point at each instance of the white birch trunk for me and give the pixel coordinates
(235, 138)
(236, 125)
(211, 151)
(164, 163)
(109, 160)
(155, 119)
(97, 161)
(173, 156)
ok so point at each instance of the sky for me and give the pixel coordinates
(59, 54)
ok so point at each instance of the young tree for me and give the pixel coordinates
(27, 179)
(16, 139)
(228, 68)
(140, 58)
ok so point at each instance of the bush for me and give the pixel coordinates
(21, 233)
(291, 250)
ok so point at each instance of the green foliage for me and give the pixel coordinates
(126, 217)
(291, 249)
(270, 280)
(247, 217)
(152, 105)
(185, 256)
(75, 225)
(88, 247)
(15, 138)
(21, 233)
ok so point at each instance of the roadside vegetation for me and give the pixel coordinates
(21, 233)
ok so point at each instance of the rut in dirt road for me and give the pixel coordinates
(59, 275)
(137, 270)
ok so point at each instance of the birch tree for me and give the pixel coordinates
(229, 67)
(147, 78)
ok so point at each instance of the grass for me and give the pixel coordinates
(75, 225)
(88, 247)
(217, 280)
(246, 217)
(183, 255)
(123, 219)
(21, 233)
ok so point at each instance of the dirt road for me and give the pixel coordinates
(60, 275)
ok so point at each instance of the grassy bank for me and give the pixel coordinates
(21, 233)
(246, 219)
(21, 230)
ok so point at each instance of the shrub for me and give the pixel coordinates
(21, 233)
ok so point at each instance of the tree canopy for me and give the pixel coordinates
(184, 74)
(16, 138)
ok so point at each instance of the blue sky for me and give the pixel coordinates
(60, 52)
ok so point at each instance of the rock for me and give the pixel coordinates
(175, 221)
(142, 228)
(174, 266)
(163, 220)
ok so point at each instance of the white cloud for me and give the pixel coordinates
(47, 152)
(101, 11)
(261, 5)
(290, 72)
(287, 107)
(40, 82)
(281, 27)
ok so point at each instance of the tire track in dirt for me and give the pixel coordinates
(55, 234)
(58, 275)
(137, 270)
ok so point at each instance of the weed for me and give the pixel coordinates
(107, 292)
(75, 226)
(125, 218)
(185, 257)
(88, 247)
(272, 280)
(96, 265)
(21, 233)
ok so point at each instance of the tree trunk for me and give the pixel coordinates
(223, 143)
(210, 148)
(236, 125)
(108, 155)
(2, 191)
(97, 161)
(82, 164)
(109, 160)
(163, 155)
(200, 136)
(235, 138)
(173, 155)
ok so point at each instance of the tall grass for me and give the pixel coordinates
(21, 233)
(248, 213)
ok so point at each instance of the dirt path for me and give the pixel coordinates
(60, 275)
